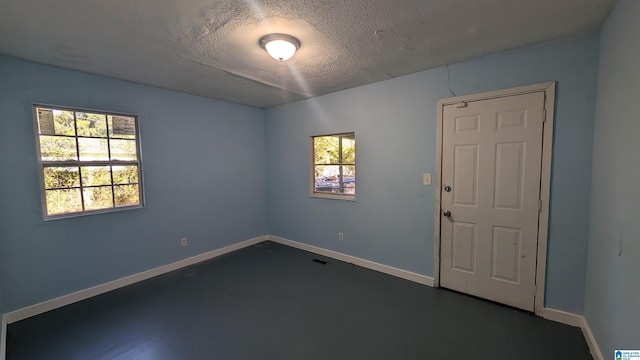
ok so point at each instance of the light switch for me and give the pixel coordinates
(426, 179)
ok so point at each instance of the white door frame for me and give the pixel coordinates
(549, 89)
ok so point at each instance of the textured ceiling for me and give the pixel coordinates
(210, 47)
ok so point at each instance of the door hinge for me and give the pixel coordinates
(544, 116)
(540, 205)
(535, 290)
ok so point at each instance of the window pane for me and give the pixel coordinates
(55, 122)
(327, 178)
(96, 175)
(93, 149)
(125, 174)
(126, 195)
(123, 150)
(56, 148)
(64, 123)
(349, 171)
(63, 201)
(349, 179)
(46, 124)
(93, 125)
(97, 198)
(122, 127)
(61, 177)
(348, 150)
(326, 150)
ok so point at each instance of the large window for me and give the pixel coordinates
(89, 161)
(334, 165)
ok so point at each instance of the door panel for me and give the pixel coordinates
(508, 177)
(511, 119)
(491, 159)
(505, 263)
(465, 175)
(466, 123)
(464, 247)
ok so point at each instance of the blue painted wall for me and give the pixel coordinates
(612, 300)
(395, 123)
(203, 163)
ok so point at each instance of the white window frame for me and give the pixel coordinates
(312, 177)
(79, 163)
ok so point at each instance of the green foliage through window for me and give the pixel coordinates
(334, 164)
(89, 160)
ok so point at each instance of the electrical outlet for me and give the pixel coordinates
(183, 241)
(340, 236)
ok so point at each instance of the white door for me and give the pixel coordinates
(491, 163)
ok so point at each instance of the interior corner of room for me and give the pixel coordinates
(226, 150)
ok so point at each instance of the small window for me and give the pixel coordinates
(89, 161)
(334, 165)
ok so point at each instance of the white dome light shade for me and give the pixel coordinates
(280, 49)
(280, 46)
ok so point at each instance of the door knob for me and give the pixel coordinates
(447, 213)
(447, 188)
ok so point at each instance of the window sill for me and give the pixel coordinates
(333, 197)
(91, 212)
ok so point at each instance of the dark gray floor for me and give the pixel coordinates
(273, 302)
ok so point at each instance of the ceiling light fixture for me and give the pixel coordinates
(280, 46)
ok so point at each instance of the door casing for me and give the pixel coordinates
(548, 89)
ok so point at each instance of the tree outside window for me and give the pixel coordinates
(334, 164)
(89, 161)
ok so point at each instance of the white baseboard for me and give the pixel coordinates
(33, 310)
(577, 321)
(403, 274)
(562, 317)
(591, 340)
(3, 339)
(68, 299)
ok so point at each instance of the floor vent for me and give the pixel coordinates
(321, 262)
